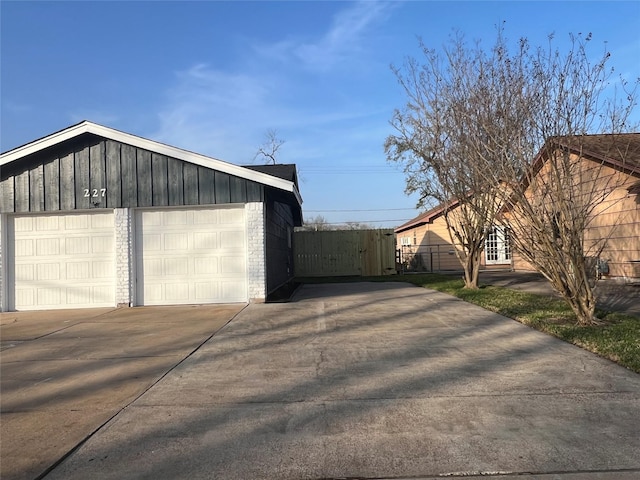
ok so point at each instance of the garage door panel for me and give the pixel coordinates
(207, 290)
(103, 294)
(152, 218)
(228, 217)
(230, 289)
(77, 295)
(103, 244)
(206, 217)
(48, 296)
(152, 267)
(25, 297)
(101, 221)
(25, 224)
(76, 222)
(77, 245)
(206, 266)
(47, 246)
(232, 239)
(78, 270)
(48, 271)
(183, 258)
(176, 292)
(24, 248)
(230, 265)
(176, 241)
(153, 294)
(176, 266)
(152, 242)
(46, 224)
(63, 261)
(178, 217)
(25, 273)
(102, 270)
(205, 241)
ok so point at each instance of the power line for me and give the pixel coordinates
(365, 221)
(348, 172)
(349, 169)
(363, 210)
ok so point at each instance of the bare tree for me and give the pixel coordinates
(317, 223)
(552, 195)
(355, 225)
(550, 212)
(499, 136)
(269, 149)
(442, 143)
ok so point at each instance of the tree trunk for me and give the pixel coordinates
(471, 267)
(574, 287)
(582, 300)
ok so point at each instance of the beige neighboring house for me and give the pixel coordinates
(613, 163)
(424, 242)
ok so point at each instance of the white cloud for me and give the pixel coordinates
(225, 114)
(215, 112)
(345, 37)
(343, 42)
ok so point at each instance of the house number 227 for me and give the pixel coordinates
(95, 192)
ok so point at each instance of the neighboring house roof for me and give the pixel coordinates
(424, 218)
(86, 127)
(620, 151)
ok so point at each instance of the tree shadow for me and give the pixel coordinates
(366, 380)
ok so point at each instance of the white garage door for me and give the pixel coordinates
(62, 261)
(191, 256)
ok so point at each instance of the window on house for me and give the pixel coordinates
(497, 246)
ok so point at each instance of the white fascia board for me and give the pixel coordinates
(153, 146)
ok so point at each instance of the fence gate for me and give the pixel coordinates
(344, 253)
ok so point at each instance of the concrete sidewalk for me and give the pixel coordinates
(374, 380)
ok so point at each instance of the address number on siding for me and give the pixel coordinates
(95, 192)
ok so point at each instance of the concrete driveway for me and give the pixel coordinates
(65, 373)
(375, 380)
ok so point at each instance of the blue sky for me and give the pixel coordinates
(213, 77)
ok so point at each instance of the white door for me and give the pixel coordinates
(497, 248)
(62, 261)
(191, 256)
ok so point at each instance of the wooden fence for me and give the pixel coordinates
(344, 253)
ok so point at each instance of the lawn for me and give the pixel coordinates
(618, 338)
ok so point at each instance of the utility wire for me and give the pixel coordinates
(364, 221)
(362, 210)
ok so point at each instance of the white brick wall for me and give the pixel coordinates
(3, 264)
(124, 256)
(256, 252)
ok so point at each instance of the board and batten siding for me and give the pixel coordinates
(93, 172)
(279, 231)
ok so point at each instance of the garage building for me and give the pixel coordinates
(95, 217)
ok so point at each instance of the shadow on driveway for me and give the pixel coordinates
(374, 380)
(65, 373)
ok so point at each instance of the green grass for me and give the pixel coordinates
(618, 338)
